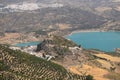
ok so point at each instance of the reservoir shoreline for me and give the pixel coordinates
(90, 30)
(96, 39)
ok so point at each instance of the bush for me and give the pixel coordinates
(89, 77)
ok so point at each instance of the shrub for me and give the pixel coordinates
(89, 77)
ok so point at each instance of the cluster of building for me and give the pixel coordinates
(27, 6)
(23, 6)
(32, 50)
(117, 50)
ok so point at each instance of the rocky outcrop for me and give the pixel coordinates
(56, 46)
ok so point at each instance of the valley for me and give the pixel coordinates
(33, 44)
(75, 58)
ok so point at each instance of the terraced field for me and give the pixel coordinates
(16, 65)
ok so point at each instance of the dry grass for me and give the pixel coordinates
(113, 76)
(63, 26)
(13, 38)
(104, 63)
(96, 72)
(109, 57)
(10, 36)
(102, 9)
(118, 8)
(115, 0)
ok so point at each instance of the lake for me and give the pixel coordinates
(27, 44)
(105, 41)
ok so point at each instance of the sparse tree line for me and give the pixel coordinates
(16, 65)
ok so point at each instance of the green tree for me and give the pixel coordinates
(89, 77)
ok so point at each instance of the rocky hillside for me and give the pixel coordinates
(81, 61)
(64, 18)
(17, 65)
(56, 46)
(47, 15)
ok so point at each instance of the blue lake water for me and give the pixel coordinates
(105, 41)
(27, 44)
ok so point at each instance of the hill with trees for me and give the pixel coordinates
(17, 65)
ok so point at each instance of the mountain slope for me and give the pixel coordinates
(46, 17)
(81, 61)
(56, 46)
(78, 14)
(16, 65)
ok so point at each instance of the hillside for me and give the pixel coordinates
(47, 15)
(17, 65)
(56, 46)
(49, 19)
(81, 61)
